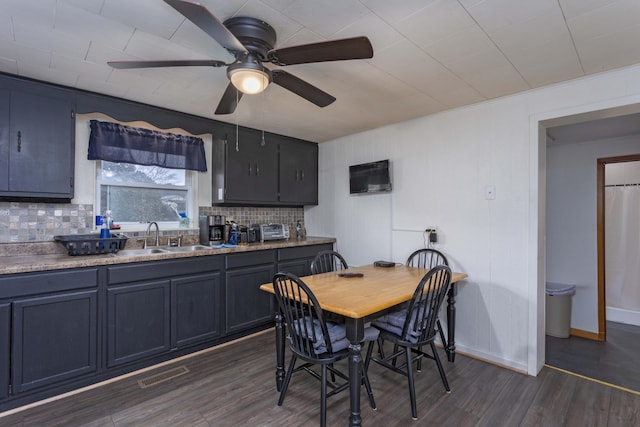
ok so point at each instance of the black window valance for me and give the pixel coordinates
(125, 144)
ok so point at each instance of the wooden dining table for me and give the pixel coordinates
(359, 300)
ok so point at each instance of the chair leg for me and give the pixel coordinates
(323, 396)
(365, 376)
(367, 358)
(287, 378)
(441, 332)
(412, 389)
(443, 377)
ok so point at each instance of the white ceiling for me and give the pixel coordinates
(429, 55)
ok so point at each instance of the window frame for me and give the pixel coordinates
(190, 186)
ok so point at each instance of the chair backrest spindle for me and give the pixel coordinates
(326, 261)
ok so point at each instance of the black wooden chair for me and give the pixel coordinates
(326, 261)
(412, 328)
(315, 340)
(429, 258)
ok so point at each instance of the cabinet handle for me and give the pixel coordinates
(249, 168)
(301, 174)
(19, 141)
(257, 169)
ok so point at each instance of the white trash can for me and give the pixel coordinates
(558, 309)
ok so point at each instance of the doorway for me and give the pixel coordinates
(618, 281)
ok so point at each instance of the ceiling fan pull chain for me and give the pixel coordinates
(263, 142)
(237, 138)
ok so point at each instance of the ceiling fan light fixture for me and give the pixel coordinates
(249, 78)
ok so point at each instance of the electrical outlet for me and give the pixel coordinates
(430, 230)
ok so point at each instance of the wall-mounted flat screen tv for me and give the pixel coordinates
(374, 177)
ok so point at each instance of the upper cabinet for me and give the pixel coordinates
(37, 140)
(298, 172)
(276, 170)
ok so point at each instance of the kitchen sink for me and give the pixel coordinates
(162, 250)
(191, 248)
(135, 252)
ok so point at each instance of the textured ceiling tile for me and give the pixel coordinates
(610, 51)
(439, 20)
(86, 25)
(493, 15)
(161, 20)
(326, 17)
(390, 12)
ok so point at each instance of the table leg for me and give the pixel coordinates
(355, 335)
(279, 351)
(355, 367)
(451, 322)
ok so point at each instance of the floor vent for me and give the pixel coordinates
(163, 376)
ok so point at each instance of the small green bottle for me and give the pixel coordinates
(298, 230)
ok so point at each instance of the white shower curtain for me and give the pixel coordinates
(622, 247)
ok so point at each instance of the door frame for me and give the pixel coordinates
(602, 306)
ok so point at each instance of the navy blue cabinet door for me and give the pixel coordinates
(298, 173)
(5, 144)
(246, 304)
(54, 339)
(5, 312)
(195, 309)
(138, 321)
(41, 146)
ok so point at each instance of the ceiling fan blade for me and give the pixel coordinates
(178, 63)
(333, 50)
(302, 88)
(208, 23)
(229, 100)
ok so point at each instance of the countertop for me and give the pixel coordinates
(12, 264)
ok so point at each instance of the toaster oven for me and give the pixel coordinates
(274, 232)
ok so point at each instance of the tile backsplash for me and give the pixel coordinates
(258, 215)
(23, 222)
(27, 222)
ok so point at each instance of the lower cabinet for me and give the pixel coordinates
(54, 338)
(66, 328)
(298, 260)
(193, 317)
(246, 305)
(5, 349)
(154, 307)
(138, 321)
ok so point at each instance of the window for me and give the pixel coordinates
(136, 194)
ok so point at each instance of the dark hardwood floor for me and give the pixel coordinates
(614, 361)
(234, 385)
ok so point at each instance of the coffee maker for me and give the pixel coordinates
(212, 230)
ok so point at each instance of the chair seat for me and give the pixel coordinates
(337, 334)
(394, 322)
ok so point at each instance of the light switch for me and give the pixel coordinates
(490, 192)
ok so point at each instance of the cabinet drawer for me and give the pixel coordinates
(50, 281)
(150, 270)
(250, 259)
(302, 252)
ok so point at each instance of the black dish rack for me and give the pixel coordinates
(92, 244)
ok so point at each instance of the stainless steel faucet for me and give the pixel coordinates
(157, 233)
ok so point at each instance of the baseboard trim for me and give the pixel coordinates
(596, 336)
(620, 315)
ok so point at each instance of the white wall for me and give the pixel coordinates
(572, 255)
(441, 166)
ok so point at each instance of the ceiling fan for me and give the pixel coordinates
(251, 41)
